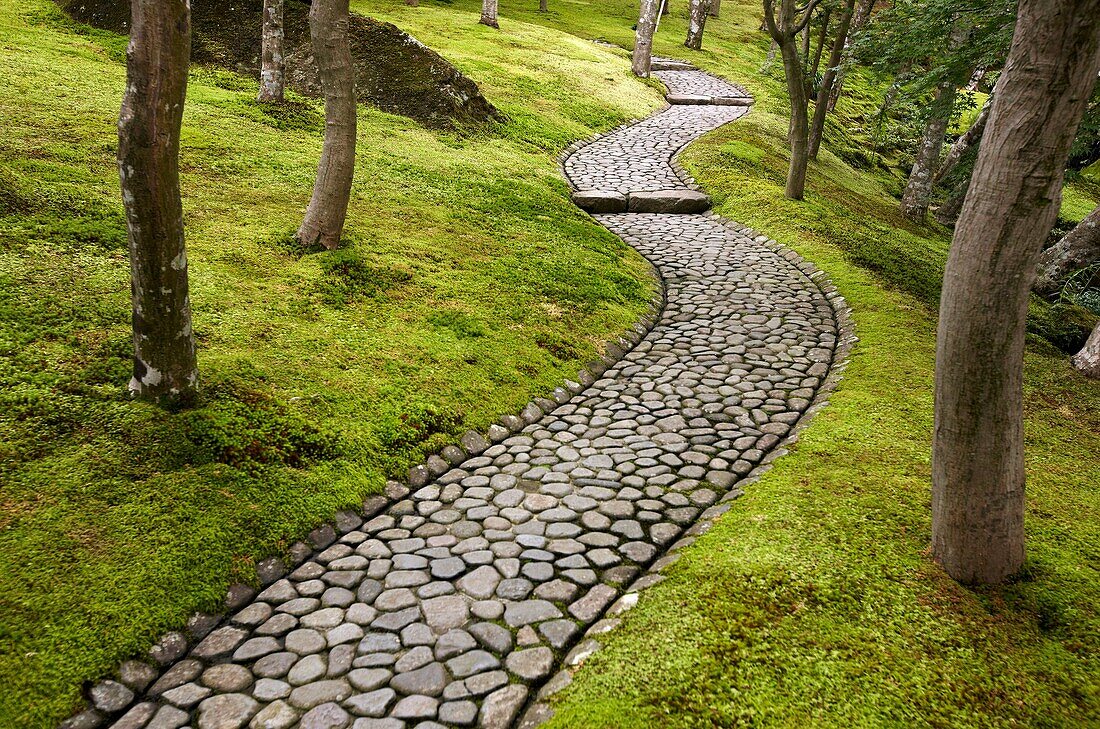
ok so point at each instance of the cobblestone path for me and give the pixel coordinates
(457, 601)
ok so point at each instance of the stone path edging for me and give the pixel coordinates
(476, 579)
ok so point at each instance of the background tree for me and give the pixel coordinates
(977, 457)
(1088, 359)
(1079, 249)
(272, 64)
(714, 8)
(165, 365)
(860, 18)
(784, 29)
(643, 38)
(697, 20)
(328, 208)
(489, 13)
(825, 88)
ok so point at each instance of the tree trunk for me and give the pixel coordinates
(697, 20)
(859, 19)
(816, 66)
(821, 106)
(324, 221)
(1080, 248)
(489, 13)
(272, 67)
(665, 7)
(715, 6)
(967, 140)
(1088, 359)
(948, 213)
(643, 38)
(806, 50)
(784, 30)
(978, 448)
(543, 7)
(165, 366)
(918, 191)
(413, 3)
(770, 58)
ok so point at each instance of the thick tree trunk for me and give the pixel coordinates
(821, 106)
(272, 66)
(489, 13)
(1080, 248)
(967, 140)
(715, 7)
(328, 209)
(697, 20)
(165, 366)
(918, 191)
(643, 38)
(1088, 359)
(978, 448)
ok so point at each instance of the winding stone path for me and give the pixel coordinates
(451, 605)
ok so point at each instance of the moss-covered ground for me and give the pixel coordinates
(814, 601)
(469, 284)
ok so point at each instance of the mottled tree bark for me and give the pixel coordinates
(1080, 248)
(272, 65)
(697, 21)
(821, 105)
(328, 208)
(1088, 359)
(978, 447)
(965, 141)
(165, 366)
(643, 38)
(489, 13)
(784, 30)
(918, 191)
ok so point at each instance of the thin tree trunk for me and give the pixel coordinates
(770, 58)
(1080, 248)
(413, 3)
(697, 20)
(489, 13)
(643, 38)
(543, 7)
(784, 30)
(965, 141)
(1088, 359)
(806, 50)
(816, 66)
(715, 7)
(978, 445)
(328, 209)
(272, 67)
(862, 15)
(918, 191)
(665, 7)
(821, 106)
(165, 366)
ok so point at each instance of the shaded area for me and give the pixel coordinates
(394, 71)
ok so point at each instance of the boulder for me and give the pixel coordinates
(668, 201)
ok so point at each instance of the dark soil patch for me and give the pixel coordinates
(394, 72)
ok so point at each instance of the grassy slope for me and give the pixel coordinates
(814, 602)
(470, 284)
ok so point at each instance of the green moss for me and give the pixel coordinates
(467, 284)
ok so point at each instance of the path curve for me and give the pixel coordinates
(458, 600)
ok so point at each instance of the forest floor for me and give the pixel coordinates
(471, 284)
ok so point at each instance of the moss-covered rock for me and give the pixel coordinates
(393, 72)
